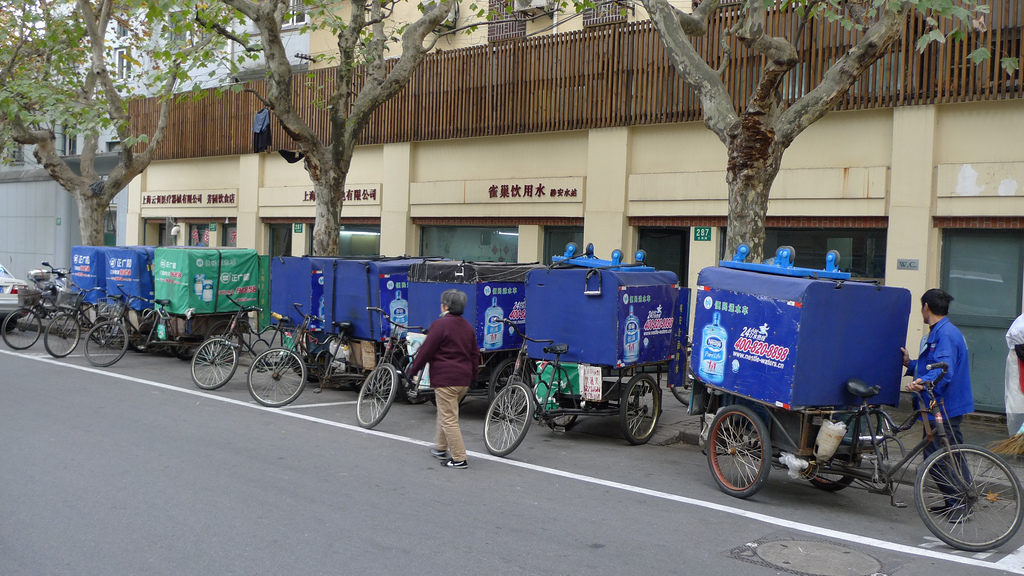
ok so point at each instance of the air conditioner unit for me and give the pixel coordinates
(453, 15)
(532, 7)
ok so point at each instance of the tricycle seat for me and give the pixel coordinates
(343, 328)
(860, 388)
(556, 349)
(162, 301)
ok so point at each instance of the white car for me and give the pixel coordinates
(9, 286)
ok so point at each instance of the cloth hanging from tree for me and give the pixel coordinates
(261, 130)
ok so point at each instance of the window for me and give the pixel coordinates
(124, 63)
(504, 24)
(557, 237)
(70, 143)
(113, 145)
(229, 235)
(861, 251)
(110, 226)
(605, 12)
(280, 241)
(199, 235)
(357, 240)
(296, 14)
(473, 243)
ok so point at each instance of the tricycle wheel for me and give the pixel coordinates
(376, 395)
(214, 363)
(508, 418)
(106, 343)
(969, 498)
(277, 377)
(640, 408)
(739, 451)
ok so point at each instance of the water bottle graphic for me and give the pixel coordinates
(631, 339)
(712, 351)
(494, 330)
(197, 284)
(399, 311)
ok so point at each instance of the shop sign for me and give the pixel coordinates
(526, 191)
(367, 195)
(189, 199)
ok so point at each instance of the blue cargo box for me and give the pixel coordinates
(793, 342)
(89, 270)
(606, 317)
(493, 291)
(306, 281)
(131, 268)
(382, 283)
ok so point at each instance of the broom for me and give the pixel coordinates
(1014, 445)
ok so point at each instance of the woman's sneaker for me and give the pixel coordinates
(456, 464)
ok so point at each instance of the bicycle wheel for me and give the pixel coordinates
(640, 408)
(21, 329)
(277, 377)
(739, 451)
(214, 363)
(969, 498)
(62, 334)
(377, 395)
(106, 343)
(508, 418)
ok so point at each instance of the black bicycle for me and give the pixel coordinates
(23, 327)
(382, 385)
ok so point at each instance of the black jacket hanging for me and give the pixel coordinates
(261, 130)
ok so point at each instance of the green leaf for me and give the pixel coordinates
(979, 55)
(1010, 64)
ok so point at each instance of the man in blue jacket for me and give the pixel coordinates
(944, 343)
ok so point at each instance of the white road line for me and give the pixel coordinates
(1013, 563)
(345, 403)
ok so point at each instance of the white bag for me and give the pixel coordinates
(1014, 396)
(414, 340)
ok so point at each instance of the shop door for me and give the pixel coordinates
(667, 249)
(982, 271)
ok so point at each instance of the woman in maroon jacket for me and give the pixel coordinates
(450, 348)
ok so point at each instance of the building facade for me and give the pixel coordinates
(913, 189)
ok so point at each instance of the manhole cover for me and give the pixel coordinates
(809, 558)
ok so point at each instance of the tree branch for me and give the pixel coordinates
(226, 33)
(843, 74)
(716, 104)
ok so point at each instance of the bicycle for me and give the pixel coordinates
(22, 328)
(555, 402)
(215, 360)
(966, 496)
(278, 376)
(381, 386)
(108, 341)
(64, 331)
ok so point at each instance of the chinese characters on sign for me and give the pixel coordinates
(188, 199)
(350, 195)
(537, 192)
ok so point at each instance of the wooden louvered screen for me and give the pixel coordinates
(606, 76)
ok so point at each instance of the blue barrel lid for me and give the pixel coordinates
(782, 264)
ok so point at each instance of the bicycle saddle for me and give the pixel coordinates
(861, 389)
(162, 301)
(556, 349)
(343, 327)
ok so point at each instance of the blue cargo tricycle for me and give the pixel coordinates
(792, 368)
(602, 333)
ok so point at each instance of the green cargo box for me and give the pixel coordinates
(567, 383)
(200, 279)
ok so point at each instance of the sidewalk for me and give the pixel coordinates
(677, 426)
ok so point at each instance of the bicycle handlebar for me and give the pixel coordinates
(524, 336)
(385, 315)
(242, 307)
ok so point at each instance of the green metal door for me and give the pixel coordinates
(983, 272)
